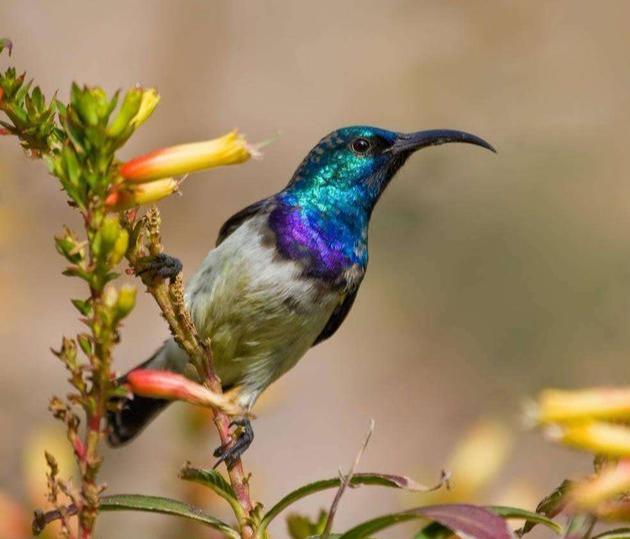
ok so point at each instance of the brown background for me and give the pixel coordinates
(490, 277)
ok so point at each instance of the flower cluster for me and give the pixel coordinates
(596, 421)
(152, 177)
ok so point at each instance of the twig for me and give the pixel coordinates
(346, 482)
(41, 519)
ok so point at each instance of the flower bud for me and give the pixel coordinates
(109, 232)
(110, 297)
(120, 248)
(126, 301)
(128, 195)
(129, 109)
(230, 149)
(150, 100)
(172, 386)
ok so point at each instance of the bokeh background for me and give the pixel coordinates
(490, 277)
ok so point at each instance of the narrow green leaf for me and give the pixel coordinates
(83, 306)
(85, 343)
(618, 533)
(215, 481)
(529, 516)
(469, 520)
(376, 479)
(166, 506)
(550, 505)
(435, 530)
(76, 271)
(580, 526)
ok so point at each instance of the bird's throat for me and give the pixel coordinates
(325, 237)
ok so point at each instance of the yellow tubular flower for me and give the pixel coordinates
(596, 437)
(478, 458)
(179, 160)
(557, 406)
(130, 195)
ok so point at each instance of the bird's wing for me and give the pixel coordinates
(239, 218)
(353, 278)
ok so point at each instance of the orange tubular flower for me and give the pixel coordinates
(179, 160)
(172, 386)
(611, 482)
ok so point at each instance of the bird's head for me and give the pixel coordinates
(355, 164)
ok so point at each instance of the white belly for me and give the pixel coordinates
(260, 315)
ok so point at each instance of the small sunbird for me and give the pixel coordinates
(285, 270)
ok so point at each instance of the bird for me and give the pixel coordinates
(285, 271)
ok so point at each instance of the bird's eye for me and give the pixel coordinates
(361, 145)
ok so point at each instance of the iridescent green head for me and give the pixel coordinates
(356, 163)
(322, 216)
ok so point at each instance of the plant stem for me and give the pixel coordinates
(103, 334)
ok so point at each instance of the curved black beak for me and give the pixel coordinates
(410, 142)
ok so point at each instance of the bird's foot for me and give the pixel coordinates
(241, 440)
(162, 266)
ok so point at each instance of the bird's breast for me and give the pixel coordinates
(258, 308)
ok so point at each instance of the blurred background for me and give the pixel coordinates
(490, 277)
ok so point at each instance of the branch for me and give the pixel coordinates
(169, 295)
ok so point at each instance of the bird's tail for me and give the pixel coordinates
(133, 414)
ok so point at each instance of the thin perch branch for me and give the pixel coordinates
(169, 295)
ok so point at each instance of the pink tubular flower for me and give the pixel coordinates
(172, 386)
(179, 160)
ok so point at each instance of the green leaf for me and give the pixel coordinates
(76, 271)
(166, 506)
(377, 479)
(580, 526)
(435, 530)
(83, 306)
(618, 533)
(215, 481)
(549, 506)
(529, 516)
(85, 343)
(469, 520)
(302, 527)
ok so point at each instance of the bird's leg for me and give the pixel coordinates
(232, 451)
(162, 266)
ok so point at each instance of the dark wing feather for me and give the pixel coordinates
(336, 318)
(351, 279)
(239, 218)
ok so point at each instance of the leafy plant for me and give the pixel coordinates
(79, 141)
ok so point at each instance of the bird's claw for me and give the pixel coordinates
(232, 451)
(162, 266)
